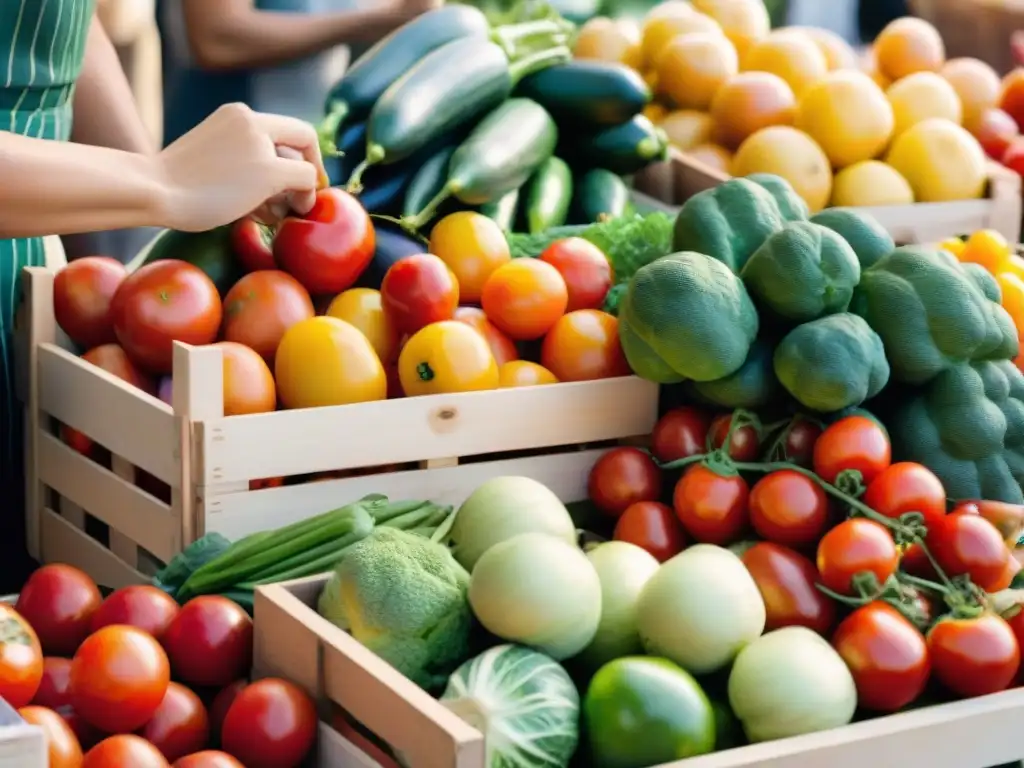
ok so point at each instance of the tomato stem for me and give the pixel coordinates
(425, 372)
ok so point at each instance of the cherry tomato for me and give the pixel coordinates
(122, 751)
(525, 298)
(907, 487)
(586, 270)
(652, 526)
(180, 725)
(502, 347)
(55, 686)
(788, 508)
(221, 704)
(473, 246)
(261, 306)
(446, 357)
(419, 290)
(209, 642)
(140, 605)
(523, 373)
(1007, 518)
(711, 507)
(800, 440)
(118, 678)
(855, 443)
(271, 724)
(745, 442)
(584, 345)
(974, 656)
(253, 245)
(621, 477)
(855, 546)
(62, 745)
(963, 543)
(364, 308)
(59, 601)
(679, 434)
(787, 580)
(161, 303)
(886, 654)
(82, 292)
(208, 759)
(21, 658)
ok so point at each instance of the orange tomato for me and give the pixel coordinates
(989, 249)
(446, 357)
(502, 347)
(363, 308)
(21, 658)
(248, 384)
(523, 373)
(261, 306)
(586, 270)
(123, 751)
(953, 245)
(1012, 288)
(473, 246)
(1011, 96)
(525, 298)
(584, 345)
(62, 745)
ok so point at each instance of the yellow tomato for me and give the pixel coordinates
(326, 361)
(446, 357)
(1016, 266)
(523, 373)
(989, 249)
(362, 308)
(953, 245)
(1012, 289)
(473, 246)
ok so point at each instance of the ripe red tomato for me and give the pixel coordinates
(886, 654)
(221, 704)
(855, 546)
(502, 347)
(789, 508)
(118, 678)
(123, 751)
(59, 601)
(1016, 623)
(140, 605)
(995, 130)
(419, 290)
(261, 306)
(329, 248)
(253, 244)
(621, 477)
(907, 487)
(55, 686)
(711, 507)
(208, 759)
(787, 580)
(586, 270)
(963, 543)
(1013, 158)
(800, 441)
(679, 434)
(161, 303)
(62, 745)
(271, 724)
(21, 658)
(745, 442)
(81, 299)
(976, 656)
(209, 642)
(1007, 518)
(88, 735)
(856, 443)
(180, 725)
(652, 526)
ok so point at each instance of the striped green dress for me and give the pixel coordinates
(42, 43)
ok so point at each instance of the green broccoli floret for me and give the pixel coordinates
(404, 598)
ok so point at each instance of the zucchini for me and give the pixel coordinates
(503, 210)
(590, 93)
(351, 144)
(548, 195)
(623, 149)
(385, 188)
(500, 155)
(599, 195)
(391, 245)
(427, 182)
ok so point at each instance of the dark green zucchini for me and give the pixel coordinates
(548, 194)
(211, 251)
(427, 182)
(599, 194)
(503, 210)
(351, 143)
(587, 93)
(385, 189)
(623, 149)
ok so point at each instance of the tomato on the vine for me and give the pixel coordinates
(652, 526)
(852, 443)
(963, 543)
(59, 602)
(798, 444)
(856, 546)
(907, 487)
(124, 750)
(180, 725)
(745, 442)
(271, 723)
(21, 658)
(1007, 518)
(974, 656)
(82, 292)
(55, 686)
(621, 477)
(711, 507)
(209, 642)
(419, 290)
(680, 433)
(63, 749)
(788, 508)
(787, 580)
(886, 654)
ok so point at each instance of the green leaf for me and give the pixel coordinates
(172, 576)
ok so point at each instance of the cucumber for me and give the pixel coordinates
(599, 194)
(590, 93)
(623, 149)
(548, 195)
(385, 188)
(427, 182)
(503, 210)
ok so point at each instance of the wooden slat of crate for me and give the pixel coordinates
(21, 745)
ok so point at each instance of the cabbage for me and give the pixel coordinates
(524, 703)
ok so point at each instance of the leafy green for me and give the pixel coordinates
(197, 554)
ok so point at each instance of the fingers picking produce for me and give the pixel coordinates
(855, 547)
(974, 656)
(253, 245)
(261, 306)
(653, 527)
(787, 582)
(713, 508)
(209, 642)
(446, 357)
(789, 508)
(21, 659)
(525, 298)
(584, 346)
(55, 686)
(82, 293)
(679, 434)
(587, 272)
(63, 749)
(139, 605)
(124, 750)
(502, 347)
(472, 246)
(59, 602)
(419, 290)
(621, 477)
(180, 725)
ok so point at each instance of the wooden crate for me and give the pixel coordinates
(22, 745)
(680, 178)
(403, 448)
(980, 28)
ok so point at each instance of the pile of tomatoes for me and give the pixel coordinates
(135, 680)
(903, 615)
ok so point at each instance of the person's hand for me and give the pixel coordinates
(410, 9)
(239, 162)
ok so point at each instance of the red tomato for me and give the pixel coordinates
(329, 248)
(787, 580)
(976, 656)
(419, 290)
(886, 654)
(679, 434)
(711, 507)
(621, 477)
(180, 725)
(855, 546)
(143, 606)
(1007, 518)
(123, 751)
(1016, 623)
(585, 269)
(221, 704)
(583, 346)
(800, 441)
(502, 347)
(161, 303)
(118, 678)
(82, 292)
(907, 487)
(253, 244)
(88, 736)
(1011, 96)
(1013, 158)
(745, 442)
(208, 759)
(271, 724)
(652, 526)
(209, 642)
(855, 443)
(21, 658)
(788, 508)
(995, 130)
(59, 601)
(62, 745)
(963, 543)
(261, 306)
(55, 686)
